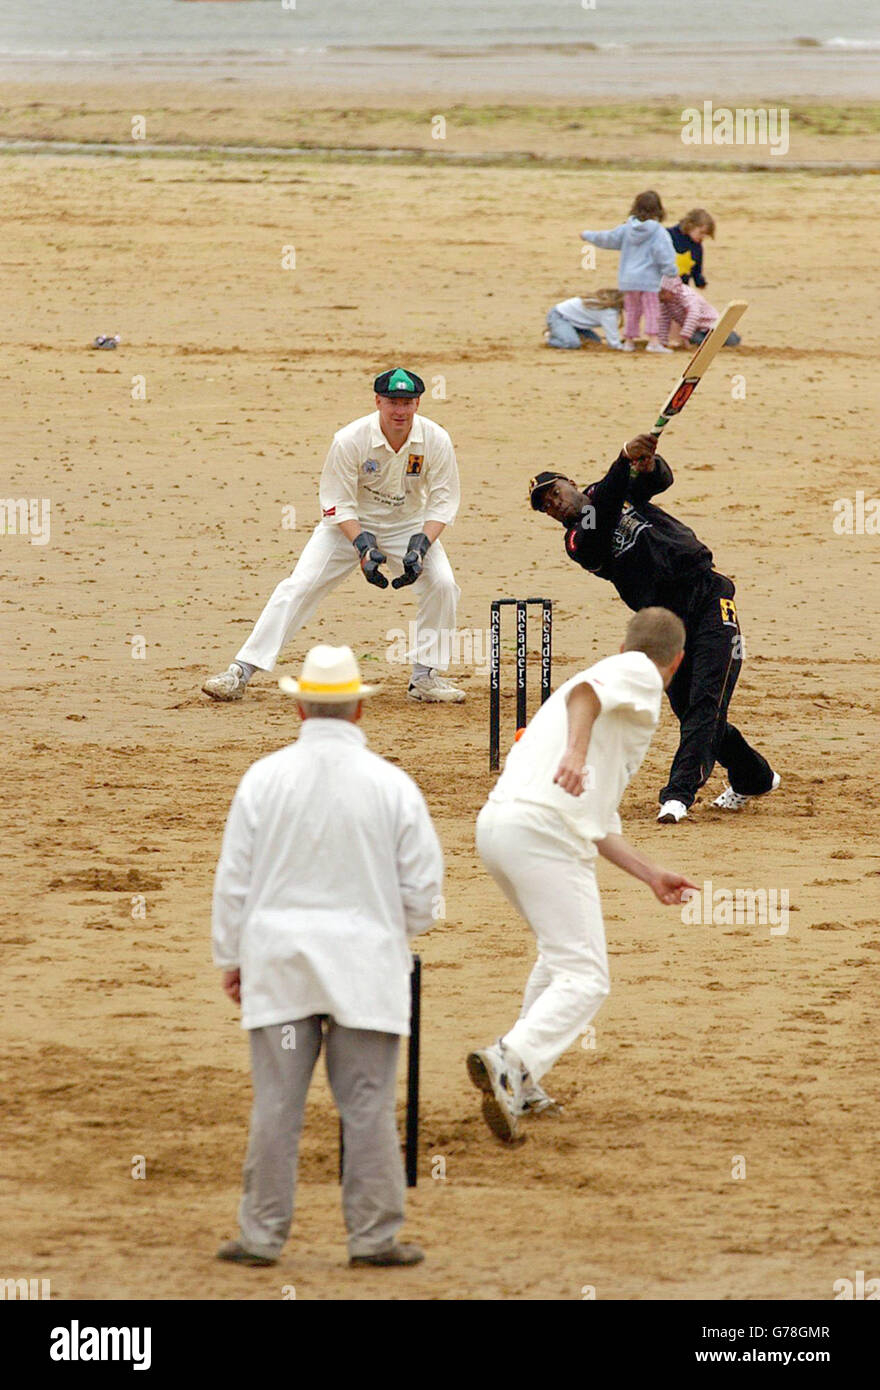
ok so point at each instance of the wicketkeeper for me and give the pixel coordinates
(389, 487)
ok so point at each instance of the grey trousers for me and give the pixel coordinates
(362, 1070)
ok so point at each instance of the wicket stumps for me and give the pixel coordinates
(521, 606)
(413, 1057)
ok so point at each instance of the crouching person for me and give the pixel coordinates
(685, 316)
(573, 322)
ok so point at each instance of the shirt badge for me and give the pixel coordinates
(414, 463)
(371, 466)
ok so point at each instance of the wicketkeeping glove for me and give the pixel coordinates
(372, 557)
(413, 560)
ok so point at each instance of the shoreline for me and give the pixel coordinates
(796, 72)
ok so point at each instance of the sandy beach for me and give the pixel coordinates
(263, 114)
(167, 507)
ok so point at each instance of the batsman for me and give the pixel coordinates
(614, 530)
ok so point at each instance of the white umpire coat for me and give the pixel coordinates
(329, 864)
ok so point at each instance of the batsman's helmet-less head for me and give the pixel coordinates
(399, 384)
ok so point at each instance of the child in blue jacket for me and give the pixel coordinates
(646, 255)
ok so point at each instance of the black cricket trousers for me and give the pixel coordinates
(700, 693)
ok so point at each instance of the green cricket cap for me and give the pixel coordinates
(397, 383)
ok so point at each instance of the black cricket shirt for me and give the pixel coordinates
(649, 556)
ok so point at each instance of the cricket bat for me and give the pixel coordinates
(699, 364)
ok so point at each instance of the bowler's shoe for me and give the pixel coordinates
(228, 685)
(500, 1075)
(394, 1255)
(535, 1100)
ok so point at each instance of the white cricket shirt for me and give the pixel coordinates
(629, 687)
(329, 865)
(363, 479)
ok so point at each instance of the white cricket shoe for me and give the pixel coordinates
(671, 812)
(228, 685)
(629, 346)
(729, 800)
(535, 1100)
(434, 689)
(657, 347)
(497, 1072)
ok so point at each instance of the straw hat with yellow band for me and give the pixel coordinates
(330, 676)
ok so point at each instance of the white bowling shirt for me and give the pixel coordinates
(629, 687)
(329, 865)
(364, 480)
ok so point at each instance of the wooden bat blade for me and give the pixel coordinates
(700, 362)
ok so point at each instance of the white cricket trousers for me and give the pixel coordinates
(325, 561)
(549, 876)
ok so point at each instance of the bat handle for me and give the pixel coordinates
(656, 431)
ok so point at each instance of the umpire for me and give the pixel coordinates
(614, 530)
(329, 865)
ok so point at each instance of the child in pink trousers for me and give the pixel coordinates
(646, 255)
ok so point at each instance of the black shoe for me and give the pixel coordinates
(235, 1253)
(395, 1255)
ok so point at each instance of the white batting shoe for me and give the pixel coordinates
(497, 1072)
(671, 812)
(729, 800)
(228, 685)
(434, 690)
